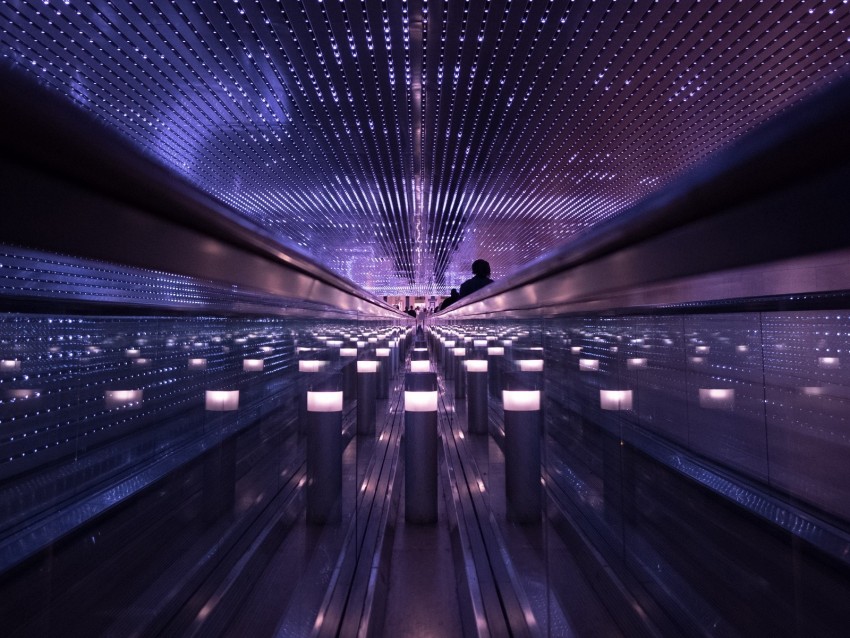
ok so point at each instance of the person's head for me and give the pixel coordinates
(453, 293)
(481, 268)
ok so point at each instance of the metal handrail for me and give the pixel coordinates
(73, 186)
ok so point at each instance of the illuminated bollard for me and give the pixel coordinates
(508, 344)
(420, 366)
(252, 369)
(367, 388)
(532, 369)
(348, 356)
(440, 350)
(420, 353)
(219, 462)
(383, 355)
(420, 448)
(495, 356)
(307, 369)
(394, 362)
(460, 373)
(448, 359)
(479, 348)
(449, 367)
(523, 430)
(477, 401)
(324, 456)
(530, 365)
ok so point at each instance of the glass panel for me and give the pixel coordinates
(702, 452)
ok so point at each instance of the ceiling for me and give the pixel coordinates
(397, 141)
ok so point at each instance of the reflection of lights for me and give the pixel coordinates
(531, 365)
(575, 349)
(132, 352)
(495, 351)
(123, 398)
(697, 360)
(588, 365)
(717, 398)
(615, 399)
(367, 366)
(476, 365)
(742, 348)
(702, 349)
(420, 366)
(324, 401)
(813, 391)
(348, 352)
(197, 364)
(479, 343)
(22, 394)
(829, 362)
(222, 400)
(418, 401)
(252, 365)
(306, 365)
(634, 364)
(10, 365)
(521, 400)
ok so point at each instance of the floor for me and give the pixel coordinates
(422, 598)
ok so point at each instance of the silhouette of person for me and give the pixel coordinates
(448, 301)
(481, 272)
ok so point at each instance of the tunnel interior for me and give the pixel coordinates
(216, 418)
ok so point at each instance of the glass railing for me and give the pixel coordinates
(151, 425)
(696, 438)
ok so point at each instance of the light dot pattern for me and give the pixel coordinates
(395, 143)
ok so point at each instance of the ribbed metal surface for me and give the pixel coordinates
(398, 141)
